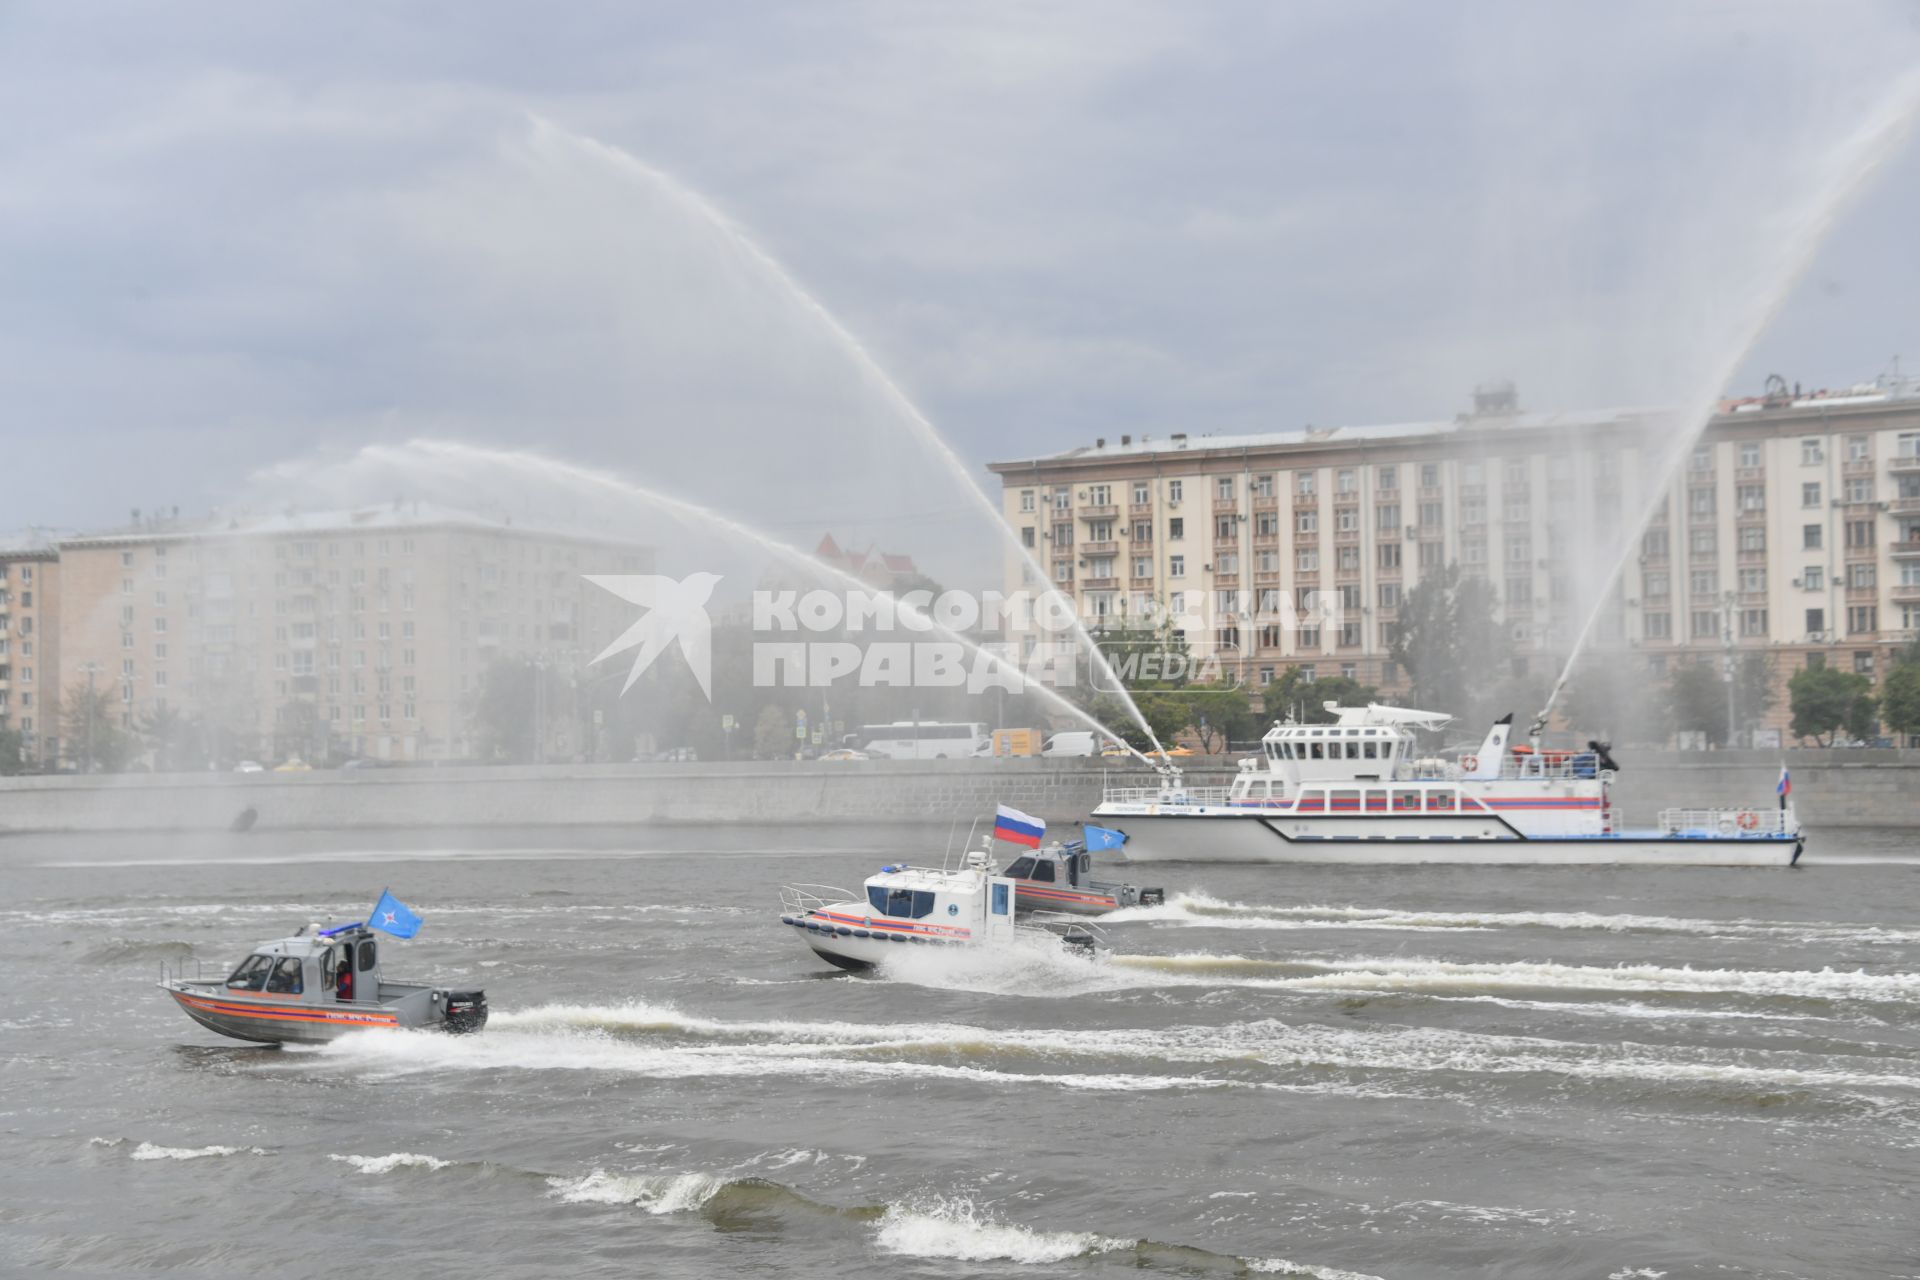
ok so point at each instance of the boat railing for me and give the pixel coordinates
(803, 899)
(1167, 795)
(1724, 822)
(1579, 765)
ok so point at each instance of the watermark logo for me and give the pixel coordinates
(984, 642)
(676, 611)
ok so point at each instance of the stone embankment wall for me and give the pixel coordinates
(1831, 788)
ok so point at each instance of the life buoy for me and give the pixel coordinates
(1749, 820)
(1470, 763)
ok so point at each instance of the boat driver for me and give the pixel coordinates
(343, 987)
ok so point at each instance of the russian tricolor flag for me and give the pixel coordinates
(1016, 827)
(1785, 785)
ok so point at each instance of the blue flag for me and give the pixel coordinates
(390, 915)
(1099, 838)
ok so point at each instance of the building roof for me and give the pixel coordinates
(1180, 442)
(872, 564)
(32, 542)
(399, 515)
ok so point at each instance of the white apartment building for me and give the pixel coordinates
(1794, 525)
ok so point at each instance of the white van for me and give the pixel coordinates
(1075, 742)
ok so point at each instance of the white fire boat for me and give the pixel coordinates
(1357, 790)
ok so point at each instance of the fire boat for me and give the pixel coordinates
(1358, 790)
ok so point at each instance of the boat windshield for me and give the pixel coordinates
(1019, 869)
(252, 974)
(286, 977)
(908, 904)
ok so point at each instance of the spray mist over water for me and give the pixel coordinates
(1844, 173)
(547, 134)
(432, 465)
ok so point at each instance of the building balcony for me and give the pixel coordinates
(1862, 595)
(1140, 584)
(1904, 464)
(1140, 509)
(1225, 507)
(1267, 577)
(1907, 549)
(1750, 557)
(1100, 511)
(1751, 515)
(1099, 548)
(1904, 506)
(1749, 475)
(1266, 539)
(1751, 598)
(1906, 593)
(1856, 467)
(1099, 584)
(1265, 502)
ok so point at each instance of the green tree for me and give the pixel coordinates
(1219, 712)
(1449, 641)
(1823, 700)
(1698, 698)
(1900, 699)
(90, 724)
(1619, 702)
(173, 741)
(1292, 694)
(773, 733)
(518, 700)
(13, 757)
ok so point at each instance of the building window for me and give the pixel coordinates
(1750, 454)
(1753, 538)
(1388, 518)
(1174, 489)
(1026, 500)
(1700, 501)
(1176, 529)
(1306, 560)
(1062, 500)
(1347, 519)
(1659, 626)
(1142, 493)
(1706, 624)
(1303, 484)
(1810, 537)
(1861, 576)
(1815, 578)
(1223, 489)
(1026, 536)
(1432, 555)
(1263, 486)
(1653, 544)
(1811, 454)
(1223, 528)
(1306, 522)
(1753, 581)
(1389, 555)
(1859, 449)
(1702, 459)
(1752, 497)
(1859, 490)
(1100, 495)
(1430, 475)
(1816, 621)
(1859, 533)
(1346, 480)
(1142, 567)
(1863, 619)
(1863, 662)
(1753, 622)
(1176, 566)
(1389, 477)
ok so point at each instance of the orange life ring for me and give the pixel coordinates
(1470, 763)
(1748, 820)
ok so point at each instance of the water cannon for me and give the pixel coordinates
(1604, 751)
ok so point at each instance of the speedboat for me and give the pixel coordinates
(1059, 877)
(316, 985)
(905, 907)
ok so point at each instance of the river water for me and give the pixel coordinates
(1316, 1071)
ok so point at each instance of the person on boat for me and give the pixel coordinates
(343, 988)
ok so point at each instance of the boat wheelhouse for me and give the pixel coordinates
(1360, 789)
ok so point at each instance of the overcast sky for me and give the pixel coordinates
(235, 235)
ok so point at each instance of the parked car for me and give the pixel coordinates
(293, 766)
(249, 766)
(839, 754)
(364, 762)
(1072, 742)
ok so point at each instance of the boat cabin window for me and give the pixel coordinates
(907, 904)
(252, 974)
(1370, 750)
(1317, 751)
(1442, 800)
(1043, 871)
(285, 979)
(1019, 869)
(1406, 801)
(368, 956)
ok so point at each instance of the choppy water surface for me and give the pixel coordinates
(1316, 1071)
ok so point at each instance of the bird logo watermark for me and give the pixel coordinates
(676, 612)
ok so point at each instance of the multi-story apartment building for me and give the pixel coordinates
(356, 632)
(1793, 526)
(30, 642)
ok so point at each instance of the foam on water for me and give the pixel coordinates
(150, 1151)
(1418, 974)
(1199, 909)
(1088, 1058)
(660, 1194)
(958, 1230)
(397, 1160)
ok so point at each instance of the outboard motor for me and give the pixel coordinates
(466, 1011)
(1153, 897)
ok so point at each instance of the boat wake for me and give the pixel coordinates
(1268, 1054)
(1202, 910)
